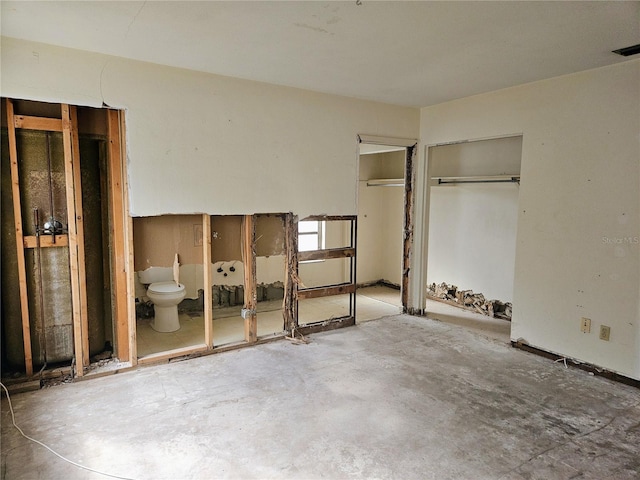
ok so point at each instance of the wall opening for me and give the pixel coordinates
(473, 212)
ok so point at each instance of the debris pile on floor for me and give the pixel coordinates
(469, 300)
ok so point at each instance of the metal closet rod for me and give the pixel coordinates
(478, 179)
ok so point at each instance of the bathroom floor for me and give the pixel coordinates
(228, 325)
(372, 303)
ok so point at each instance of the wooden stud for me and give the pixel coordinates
(82, 275)
(408, 225)
(250, 288)
(118, 238)
(17, 213)
(38, 123)
(326, 291)
(128, 250)
(169, 354)
(207, 280)
(76, 305)
(327, 254)
(290, 310)
(46, 241)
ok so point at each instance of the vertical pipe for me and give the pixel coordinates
(42, 338)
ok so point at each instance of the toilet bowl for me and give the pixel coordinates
(165, 297)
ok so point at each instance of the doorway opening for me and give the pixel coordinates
(385, 209)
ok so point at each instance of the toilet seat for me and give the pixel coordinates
(160, 288)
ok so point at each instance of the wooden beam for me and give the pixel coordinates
(347, 252)
(250, 287)
(290, 310)
(206, 262)
(326, 291)
(118, 238)
(169, 354)
(329, 218)
(76, 306)
(327, 325)
(46, 241)
(407, 225)
(17, 214)
(82, 275)
(38, 123)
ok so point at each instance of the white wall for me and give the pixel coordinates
(211, 144)
(580, 186)
(472, 238)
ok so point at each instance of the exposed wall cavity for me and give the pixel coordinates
(42, 188)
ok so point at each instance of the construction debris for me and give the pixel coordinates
(469, 300)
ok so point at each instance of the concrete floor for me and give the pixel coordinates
(400, 397)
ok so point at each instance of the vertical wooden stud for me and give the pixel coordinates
(127, 233)
(120, 249)
(250, 288)
(408, 226)
(17, 213)
(206, 263)
(290, 310)
(82, 276)
(67, 143)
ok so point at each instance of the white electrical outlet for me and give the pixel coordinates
(585, 325)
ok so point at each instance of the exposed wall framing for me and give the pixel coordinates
(62, 119)
(329, 290)
(122, 250)
(408, 225)
(250, 282)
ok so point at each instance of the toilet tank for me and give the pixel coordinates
(155, 274)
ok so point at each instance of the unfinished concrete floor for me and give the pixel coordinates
(400, 397)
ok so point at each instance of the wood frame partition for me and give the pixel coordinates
(74, 239)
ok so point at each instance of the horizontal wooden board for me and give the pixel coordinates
(330, 218)
(38, 123)
(326, 325)
(326, 291)
(347, 252)
(46, 241)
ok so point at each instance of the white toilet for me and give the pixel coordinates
(165, 293)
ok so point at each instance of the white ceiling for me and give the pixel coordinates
(407, 53)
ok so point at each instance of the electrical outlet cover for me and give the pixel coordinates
(605, 332)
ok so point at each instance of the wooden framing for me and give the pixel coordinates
(290, 304)
(407, 225)
(76, 301)
(169, 354)
(207, 281)
(37, 123)
(17, 213)
(46, 241)
(329, 290)
(327, 254)
(121, 250)
(250, 287)
(326, 291)
(82, 275)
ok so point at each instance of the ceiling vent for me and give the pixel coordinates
(628, 51)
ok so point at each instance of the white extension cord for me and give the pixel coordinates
(13, 420)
